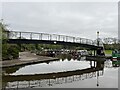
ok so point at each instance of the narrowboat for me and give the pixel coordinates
(116, 58)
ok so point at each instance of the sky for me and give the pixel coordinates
(79, 19)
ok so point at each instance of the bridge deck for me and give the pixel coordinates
(44, 38)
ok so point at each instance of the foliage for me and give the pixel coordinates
(108, 52)
(111, 43)
(111, 46)
(14, 51)
(110, 40)
(8, 51)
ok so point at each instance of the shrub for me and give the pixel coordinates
(13, 51)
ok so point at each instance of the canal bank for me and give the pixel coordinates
(26, 58)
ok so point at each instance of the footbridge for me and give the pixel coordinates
(17, 37)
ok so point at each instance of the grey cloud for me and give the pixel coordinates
(68, 18)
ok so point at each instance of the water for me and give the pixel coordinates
(56, 66)
(62, 74)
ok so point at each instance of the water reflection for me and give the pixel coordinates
(50, 82)
(69, 57)
(64, 58)
(11, 80)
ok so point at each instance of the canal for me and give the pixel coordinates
(64, 73)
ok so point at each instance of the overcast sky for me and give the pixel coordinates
(80, 19)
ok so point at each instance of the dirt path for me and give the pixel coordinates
(26, 58)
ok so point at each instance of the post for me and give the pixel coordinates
(63, 38)
(80, 40)
(86, 41)
(30, 35)
(40, 36)
(94, 64)
(97, 78)
(17, 84)
(50, 37)
(58, 37)
(20, 35)
(94, 52)
(91, 64)
(28, 83)
(66, 38)
(73, 39)
(8, 34)
(97, 38)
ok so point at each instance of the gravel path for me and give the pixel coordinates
(26, 58)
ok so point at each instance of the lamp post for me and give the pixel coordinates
(97, 38)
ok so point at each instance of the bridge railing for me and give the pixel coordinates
(51, 37)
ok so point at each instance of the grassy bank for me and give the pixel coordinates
(108, 52)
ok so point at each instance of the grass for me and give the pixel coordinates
(108, 52)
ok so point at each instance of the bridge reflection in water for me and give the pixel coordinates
(50, 79)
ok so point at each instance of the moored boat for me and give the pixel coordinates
(116, 58)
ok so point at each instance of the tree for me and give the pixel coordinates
(8, 51)
(111, 43)
(4, 39)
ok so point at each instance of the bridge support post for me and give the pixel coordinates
(50, 37)
(8, 34)
(94, 53)
(91, 64)
(20, 35)
(63, 38)
(31, 36)
(80, 40)
(66, 38)
(94, 64)
(59, 38)
(73, 39)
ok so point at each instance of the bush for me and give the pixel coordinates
(13, 51)
(4, 52)
(9, 52)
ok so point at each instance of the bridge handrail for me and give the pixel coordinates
(64, 38)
